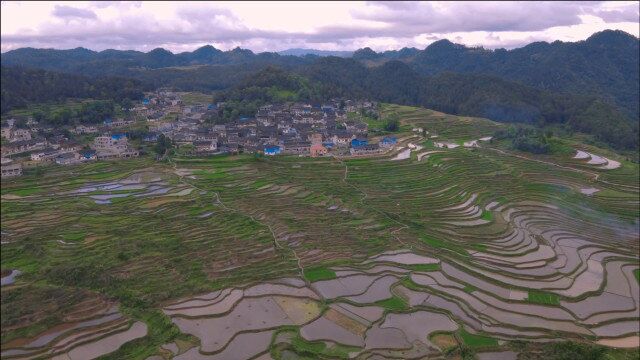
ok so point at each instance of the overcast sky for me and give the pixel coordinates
(274, 26)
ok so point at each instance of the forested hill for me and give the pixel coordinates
(21, 87)
(604, 65)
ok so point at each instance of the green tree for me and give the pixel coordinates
(127, 104)
(163, 145)
(392, 123)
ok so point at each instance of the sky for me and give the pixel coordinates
(274, 26)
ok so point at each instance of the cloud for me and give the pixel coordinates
(63, 11)
(409, 19)
(124, 4)
(205, 14)
(135, 30)
(404, 5)
(380, 25)
(430, 17)
(626, 14)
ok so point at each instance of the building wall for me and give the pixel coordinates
(317, 150)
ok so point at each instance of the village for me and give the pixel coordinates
(334, 128)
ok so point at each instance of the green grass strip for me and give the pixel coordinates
(544, 298)
(393, 304)
(487, 215)
(319, 273)
(476, 341)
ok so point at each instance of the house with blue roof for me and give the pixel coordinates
(272, 150)
(212, 107)
(359, 142)
(388, 141)
(145, 101)
(117, 137)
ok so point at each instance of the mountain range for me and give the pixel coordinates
(126, 62)
(604, 65)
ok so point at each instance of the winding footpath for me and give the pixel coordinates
(218, 200)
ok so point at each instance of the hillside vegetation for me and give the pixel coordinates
(589, 86)
(605, 65)
(22, 87)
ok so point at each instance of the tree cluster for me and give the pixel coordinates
(526, 138)
(91, 112)
(163, 145)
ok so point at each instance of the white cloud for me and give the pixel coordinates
(63, 11)
(261, 26)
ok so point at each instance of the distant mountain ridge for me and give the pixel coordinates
(125, 62)
(402, 54)
(304, 52)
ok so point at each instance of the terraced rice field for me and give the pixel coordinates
(467, 247)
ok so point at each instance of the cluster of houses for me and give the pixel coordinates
(160, 103)
(110, 146)
(293, 128)
(58, 149)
